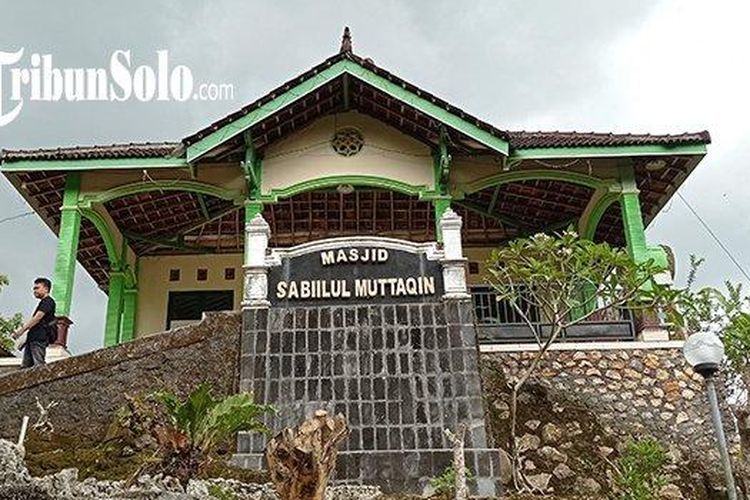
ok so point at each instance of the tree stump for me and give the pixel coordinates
(301, 460)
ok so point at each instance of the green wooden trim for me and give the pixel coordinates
(177, 242)
(632, 218)
(162, 185)
(252, 167)
(588, 301)
(607, 151)
(602, 204)
(428, 108)
(129, 308)
(243, 123)
(635, 235)
(113, 317)
(346, 91)
(476, 208)
(109, 242)
(355, 180)
(252, 208)
(441, 164)
(203, 206)
(524, 175)
(67, 245)
(194, 151)
(103, 164)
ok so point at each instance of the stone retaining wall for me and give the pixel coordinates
(583, 406)
(90, 387)
(575, 415)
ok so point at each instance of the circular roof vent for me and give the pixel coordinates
(347, 141)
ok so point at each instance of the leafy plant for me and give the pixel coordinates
(8, 325)
(444, 485)
(221, 493)
(726, 313)
(640, 470)
(187, 431)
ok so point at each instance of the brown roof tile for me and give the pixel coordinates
(364, 62)
(524, 140)
(131, 150)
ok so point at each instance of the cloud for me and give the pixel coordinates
(626, 66)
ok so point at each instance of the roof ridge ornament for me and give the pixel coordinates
(346, 42)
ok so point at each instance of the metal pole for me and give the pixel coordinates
(713, 402)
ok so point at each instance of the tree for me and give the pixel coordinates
(726, 313)
(566, 280)
(187, 431)
(8, 325)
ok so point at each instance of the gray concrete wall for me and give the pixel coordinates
(401, 374)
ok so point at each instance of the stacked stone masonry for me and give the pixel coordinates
(608, 397)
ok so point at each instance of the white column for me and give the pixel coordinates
(653, 321)
(454, 262)
(257, 234)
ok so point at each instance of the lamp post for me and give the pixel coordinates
(705, 352)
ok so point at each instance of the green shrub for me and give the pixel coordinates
(221, 493)
(9, 325)
(445, 484)
(640, 470)
(187, 432)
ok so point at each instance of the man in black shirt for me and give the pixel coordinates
(41, 326)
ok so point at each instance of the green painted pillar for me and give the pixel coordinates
(632, 219)
(113, 319)
(129, 307)
(252, 208)
(67, 245)
(440, 205)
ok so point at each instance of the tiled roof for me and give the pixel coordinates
(524, 140)
(131, 150)
(365, 63)
(517, 139)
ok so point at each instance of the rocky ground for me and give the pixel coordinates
(16, 483)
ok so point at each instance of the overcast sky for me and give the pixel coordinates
(635, 66)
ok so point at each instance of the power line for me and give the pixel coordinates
(716, 238)
(8, 219)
